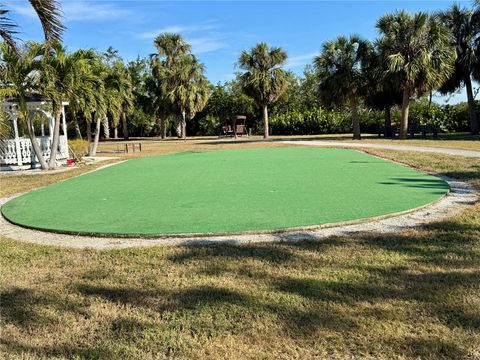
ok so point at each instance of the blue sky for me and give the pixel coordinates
(218, 30)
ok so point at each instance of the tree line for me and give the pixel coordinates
(161, 94)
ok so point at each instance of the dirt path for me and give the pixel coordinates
(458, 152)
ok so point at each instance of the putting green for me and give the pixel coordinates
(226, 191)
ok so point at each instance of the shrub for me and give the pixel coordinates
(450, 118)
(210, 125)
(321, 121)
(79, 148)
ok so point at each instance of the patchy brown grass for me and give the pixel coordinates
(17, 183)
(405, 296)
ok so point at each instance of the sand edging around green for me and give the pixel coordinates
(461, 196)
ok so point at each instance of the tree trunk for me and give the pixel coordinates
(163, 128)
(115, 132)
(89, 132)
(35, 145)
(388, 122)
(77, 127)
(178, 128)
(93, 149)
(266, 131)
(184, 129)
(474, 124)
(124, 126)
(405, 107)
(106, 128)
(355, 120)
(52, 163)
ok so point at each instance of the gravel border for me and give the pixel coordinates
(460, 197)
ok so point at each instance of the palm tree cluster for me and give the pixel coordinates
(97, 91)
(179, 86)
(414, 55)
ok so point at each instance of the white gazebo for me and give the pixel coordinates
(17, 153)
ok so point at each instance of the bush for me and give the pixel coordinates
(79, 148)
(210, 125)
(321, 121)
(449, 118)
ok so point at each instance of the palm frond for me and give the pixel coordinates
(8, 29)
(50, 16)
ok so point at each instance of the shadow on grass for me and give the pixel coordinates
(263, 252)
(418, 183)
(287, 284)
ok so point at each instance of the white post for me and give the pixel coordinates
(64, 121)
(42, 129)
(17, 140)
(50, 124)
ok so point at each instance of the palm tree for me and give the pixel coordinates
(85, 96)
(170, 47)
(122, 83)
(155, 85)
(187, 89)
(62, 73)
(49, 14)
(264, 80)
(341, 76)
(465, 37)
(418, 51)
(20, 70)
(381, 92)
(107, 101)
(465, 31)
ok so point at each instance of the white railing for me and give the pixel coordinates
(20, 152)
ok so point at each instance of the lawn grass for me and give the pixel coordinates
(410, 295)
(227, 191)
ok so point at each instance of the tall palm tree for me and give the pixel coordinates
(465, 33)
(170, 48)
(62, 72)
(155, 86)
(20, 70)
(49, 14)
(107, 102)
(264, 80)
(122, 83)
(381, 92)
(86, 95)
(341, 76)
(418, 51)
(186, 88)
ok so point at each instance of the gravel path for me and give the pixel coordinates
(466, 153)
(460, 197)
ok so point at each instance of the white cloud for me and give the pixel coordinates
(205, 44)
(92, 10)
(81, 10)
(300, 60)
(203, 36)
(178, 29)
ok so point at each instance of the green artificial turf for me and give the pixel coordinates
(226, 191)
